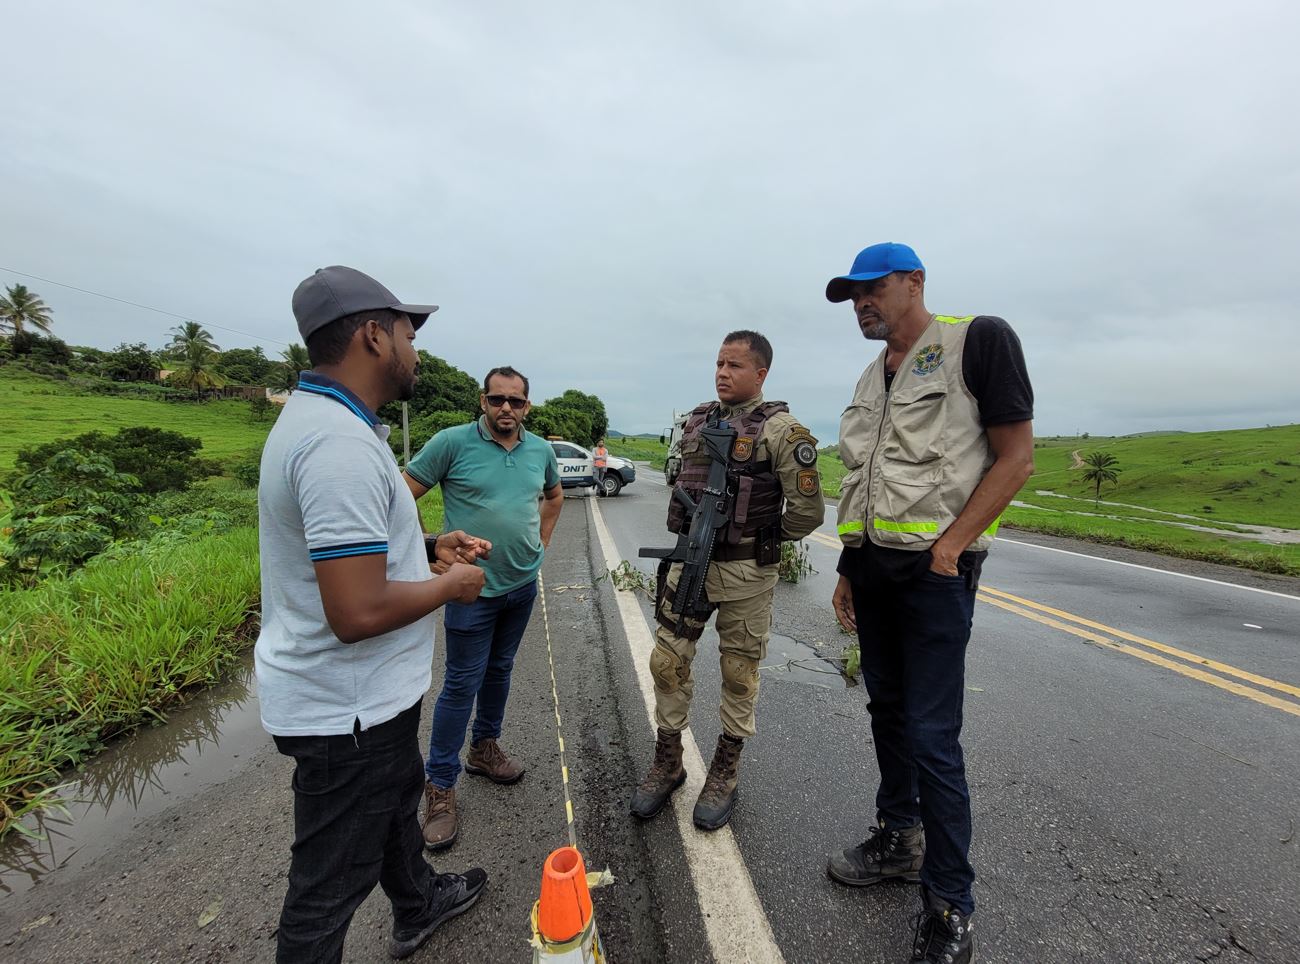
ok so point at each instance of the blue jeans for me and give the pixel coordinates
(913, 637)
(482, 638)
(354, 825)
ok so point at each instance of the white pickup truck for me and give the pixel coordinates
(576, 468)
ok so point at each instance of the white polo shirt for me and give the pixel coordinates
(330, 488)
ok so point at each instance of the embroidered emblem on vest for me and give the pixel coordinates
(927, 360)
(742, 449)
(808, 482)
(805, 454)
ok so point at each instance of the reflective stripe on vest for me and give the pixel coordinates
(907, 526)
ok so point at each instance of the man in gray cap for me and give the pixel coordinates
(343, 657)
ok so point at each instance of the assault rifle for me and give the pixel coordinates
(711, 513)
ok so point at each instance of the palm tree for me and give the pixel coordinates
(194, 372)
(21, 307)
(285, 377)
(187, 338)
(1100, 467)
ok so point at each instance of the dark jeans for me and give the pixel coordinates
(482, 638)
(913, 637)
(355, 825)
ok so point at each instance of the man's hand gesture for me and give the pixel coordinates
(456, 547)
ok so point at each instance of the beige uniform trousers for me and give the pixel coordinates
(741, 592)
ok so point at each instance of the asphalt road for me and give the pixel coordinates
(1125, 809)
(1131, 803)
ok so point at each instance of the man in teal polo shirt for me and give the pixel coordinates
(501, 483)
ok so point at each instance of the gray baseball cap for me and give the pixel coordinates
(335, 292)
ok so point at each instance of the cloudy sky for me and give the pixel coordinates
(595, 193)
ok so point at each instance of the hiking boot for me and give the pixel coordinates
(487, 759)
(884, 855)
(718, 798)
(941, 934)
(666, 775)
(439, 823)
(453, 894)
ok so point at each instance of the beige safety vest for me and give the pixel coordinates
(916, 452)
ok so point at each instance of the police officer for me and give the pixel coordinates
(937, 440)
(773, 465)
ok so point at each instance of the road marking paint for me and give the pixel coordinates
(1268, 699)
(831, 542)
(734, 921)
(1166, 572)
(1159, 647)
(1252, 626)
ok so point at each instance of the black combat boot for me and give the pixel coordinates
(884, 855)
(718, 798)
(666, 775)
(941, 934)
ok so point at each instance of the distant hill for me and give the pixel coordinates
(613, 433)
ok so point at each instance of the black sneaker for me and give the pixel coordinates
(941, 934)
(884, 855)
(453, 894)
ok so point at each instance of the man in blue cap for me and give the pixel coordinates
(937, 439)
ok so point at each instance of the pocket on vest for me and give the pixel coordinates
(916, 418)
(850, 516)
(909, 504)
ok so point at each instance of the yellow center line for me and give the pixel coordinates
(1043, 614)
(1268, 699)
(1159, 647)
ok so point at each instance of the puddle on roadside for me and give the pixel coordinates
(200, 745)
(788, 658)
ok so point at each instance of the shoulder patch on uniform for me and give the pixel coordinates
(799, 433)
(927, 360)
(808, 482)
(742, 448)
(805, 453)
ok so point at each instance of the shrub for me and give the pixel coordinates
(130, 363)
(159, 459)
(248, 469)
(68, 510)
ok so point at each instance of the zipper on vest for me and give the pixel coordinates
(869, 524)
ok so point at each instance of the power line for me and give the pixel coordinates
(136, 304)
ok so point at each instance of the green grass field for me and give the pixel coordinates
(639, 450)
(34, 409)
(1248, 475)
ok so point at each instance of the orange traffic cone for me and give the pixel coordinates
(564, 927)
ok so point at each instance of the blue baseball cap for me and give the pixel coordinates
(872, 263)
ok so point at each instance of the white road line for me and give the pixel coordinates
(734, 921)
(1167, 572)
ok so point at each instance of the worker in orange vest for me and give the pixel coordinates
(599, 457)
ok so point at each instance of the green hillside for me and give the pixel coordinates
(1247, 476)
(34, 409)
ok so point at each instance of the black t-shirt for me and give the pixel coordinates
(993, 367)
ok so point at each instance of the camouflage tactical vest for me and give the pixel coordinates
(758, 501)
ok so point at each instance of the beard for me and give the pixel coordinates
(875, 330)
(403, 380)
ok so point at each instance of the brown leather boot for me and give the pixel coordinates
(718, 798)
(487, 759)
(439, 823)
(666, 775)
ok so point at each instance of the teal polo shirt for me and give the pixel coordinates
(493, 494)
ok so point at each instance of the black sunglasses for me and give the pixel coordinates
(496, 401)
